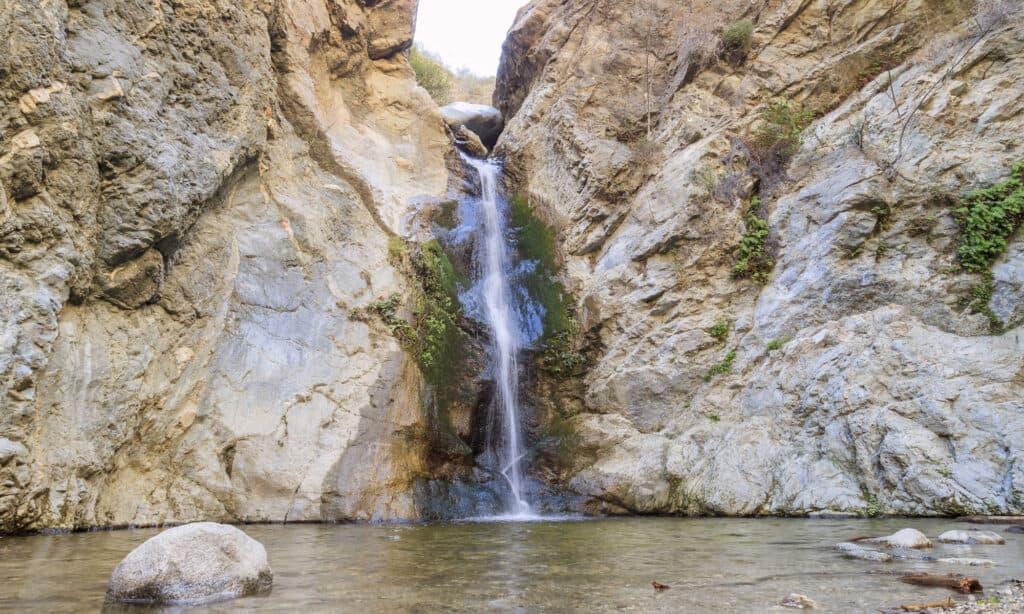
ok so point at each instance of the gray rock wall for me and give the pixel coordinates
(626, 124)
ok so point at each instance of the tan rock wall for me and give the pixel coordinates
(197, 203)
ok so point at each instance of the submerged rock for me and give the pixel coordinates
(860, 552)
(904, 538)
(799, 602)
(966, 561)
(485, 121)
(971, 537)
(1015, 529)
(194, 563)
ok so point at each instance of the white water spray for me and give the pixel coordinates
(507, 444)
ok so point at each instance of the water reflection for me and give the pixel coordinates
(595, 566)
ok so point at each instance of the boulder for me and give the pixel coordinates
(194, 563)
(485, 121)
(469, 142)
(971, 537)
(860, 552)
(904, 538)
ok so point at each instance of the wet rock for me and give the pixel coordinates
(799, 602)
(468, 141)
(832, 515)
(971, 537)
(194, 563)
(485, 121)
(855, 551)
(1015, 529)
(967, 561)
(904, 538)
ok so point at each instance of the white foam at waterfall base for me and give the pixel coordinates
(506, 445)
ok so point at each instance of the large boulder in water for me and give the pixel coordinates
(485, 121)
(194, 563)
(904, 538)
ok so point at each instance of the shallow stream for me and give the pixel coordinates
(713, 565)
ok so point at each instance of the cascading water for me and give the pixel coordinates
(504, 441)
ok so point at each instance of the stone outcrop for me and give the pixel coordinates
(857, 377)
(196, 203)
(192, 564)
(484, 121)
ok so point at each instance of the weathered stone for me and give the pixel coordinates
(136, 283)
(468, 141)
(860, 552)
(970, 537)
(261, 155)
(191, 564)
(904, 538)
(798, 602)
(857, 379)
(966, 561)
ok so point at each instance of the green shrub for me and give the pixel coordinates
(737, 35)
(776, 344)
(988, 218)
(777, 136)
(432, 75)
(720, 330)
(752, 258)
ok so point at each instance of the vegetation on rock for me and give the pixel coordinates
(444, 84)
(752, 258)
(988, 218)
(737, 35)
(431, 74)
(724, 366)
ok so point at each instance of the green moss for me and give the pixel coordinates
(387, 309)
(396, 249)
(752, 258)
(535, 241)
(988, 218)
(724, 366)
(978, 299)
(715, 418)
(776, 344)
(438, 311)
(446, 216)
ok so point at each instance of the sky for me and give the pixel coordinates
(466, 33)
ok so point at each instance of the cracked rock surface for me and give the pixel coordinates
(196, 200)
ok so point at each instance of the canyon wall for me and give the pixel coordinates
(196, 204)
(854, 364)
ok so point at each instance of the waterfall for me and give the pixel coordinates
(505, 440)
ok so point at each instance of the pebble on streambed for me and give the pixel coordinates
(192, 564)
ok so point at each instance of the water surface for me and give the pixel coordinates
(715, 565)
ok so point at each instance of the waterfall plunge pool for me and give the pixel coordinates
(597, 565)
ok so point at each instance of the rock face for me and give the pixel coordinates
(856, 377)
(196, 202)
(195, 563)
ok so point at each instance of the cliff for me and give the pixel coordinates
(780, 308)
(196, 205)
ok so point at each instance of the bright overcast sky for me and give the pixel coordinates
(466, 33)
